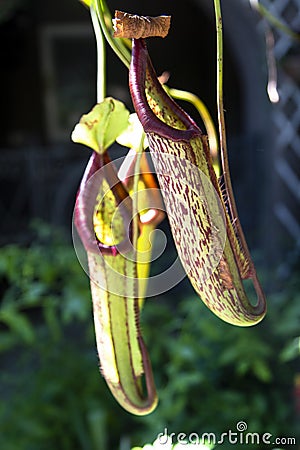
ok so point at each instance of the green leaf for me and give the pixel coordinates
(86, 2)
(262, 371)
(19, 323)
(291, 350)
(132, 135)
(102, 125)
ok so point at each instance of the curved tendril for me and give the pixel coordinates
(116, 44)
(101, 76)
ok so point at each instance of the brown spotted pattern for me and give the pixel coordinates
(197, 219)
(215, 266)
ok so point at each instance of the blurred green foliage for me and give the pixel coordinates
(210, 375)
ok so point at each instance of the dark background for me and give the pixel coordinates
(48, 60)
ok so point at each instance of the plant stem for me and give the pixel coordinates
(101, 60)
(116, 43)
(220, 105)
(222, 132)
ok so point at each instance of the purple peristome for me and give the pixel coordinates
(85, 204)
(147, 117)
(99, 168)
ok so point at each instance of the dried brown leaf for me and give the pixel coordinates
(133, 26)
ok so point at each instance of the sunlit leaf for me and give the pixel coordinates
(86, 2)
(102, 125)
(131, 136)
(291, 350)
